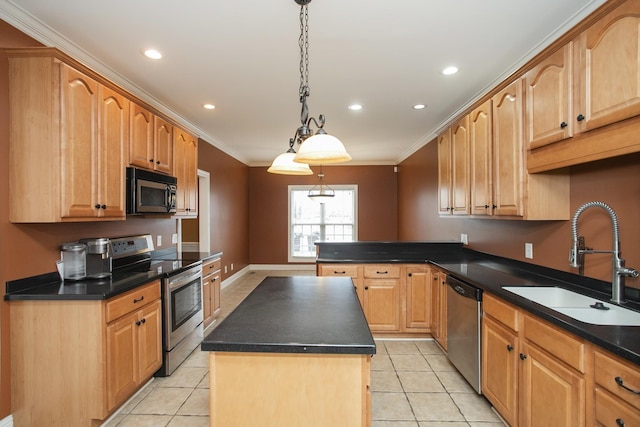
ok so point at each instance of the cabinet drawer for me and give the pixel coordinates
(132, 300)
(211, 266)
(501, 311)
(610, 409)
(382, 271)
(339, 270)
(555, 341)
(608, 368)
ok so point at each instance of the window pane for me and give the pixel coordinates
(340, 209)
(303, 209)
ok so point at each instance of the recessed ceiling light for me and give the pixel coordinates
(419, 107)
(152, 54)
(450, 70)
(355, 107)
(209, 106)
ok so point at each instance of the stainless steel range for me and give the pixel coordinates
(181, 287)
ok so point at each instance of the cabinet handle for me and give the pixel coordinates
(339, 272)
(382, 272)
(138, 300)
(619, 422)
(621, 384)
(523, 356)
(580, 117)
(97, 206)
(486, 206)
(494, 207)
(138, 323)
(563, 125)
(509, 347)
(104, 206)
(435, 278)
(451, 209)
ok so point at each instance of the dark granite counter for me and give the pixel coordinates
(490, 273)
(303, 314)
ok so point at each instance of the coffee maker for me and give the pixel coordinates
(99, 254)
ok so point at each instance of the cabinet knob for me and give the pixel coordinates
(563, 125)
(523, 356)
(451, 209)
(619, 422)
(494, 207)
(509, 347)
(97, 206)
(486, 206)
(366, 288)
(157, 162)
(150, 160)
(138, 323)
(580, 117)
(409, 274)
(104, 206)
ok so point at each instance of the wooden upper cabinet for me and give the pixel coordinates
(185, 168)
(507, 150)
(460, 167)
(481, 162)
(549, 114)
(163, 146)
(151, 145)
(609, 68)
(444, 172)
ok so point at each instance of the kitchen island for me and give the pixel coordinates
(297, 351)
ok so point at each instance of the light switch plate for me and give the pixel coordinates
(464, 239)
(159, 241)
(528, 250)
(174, 238)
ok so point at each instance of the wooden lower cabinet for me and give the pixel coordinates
(74, 362)
(439, 307)
(533, 372)
(617, 391)
(211, 285)
(418, 298)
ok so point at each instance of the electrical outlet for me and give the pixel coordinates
(464, 239)
(225, 269)
(174, 238)
(528, 250)
(231, 266)
(159, 241)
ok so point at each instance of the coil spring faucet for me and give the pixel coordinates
(619, 271)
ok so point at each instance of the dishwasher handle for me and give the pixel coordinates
(464, 289)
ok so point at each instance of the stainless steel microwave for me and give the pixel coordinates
(149, 192)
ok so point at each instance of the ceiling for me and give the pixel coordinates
(244, 59)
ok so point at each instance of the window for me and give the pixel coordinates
(310, 221)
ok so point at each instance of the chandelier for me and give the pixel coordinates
(315, 148)
(321, 192)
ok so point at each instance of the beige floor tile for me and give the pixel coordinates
(428, 347)
(205, 382)
(394, 424)
(381, 363)
(454, 382)
(409, 362)
(197, 359)
(443, 424)
(133, 420)
(113, 422)
(137, 398)
(189, 421)
(484, 424)
(390, 407)
(439, 363)
(184, 376)
(196, 404)
(434, 407)
(420, 382)
(385, 381)
(162, 401)
(401, 347)
(380, 348)
(474, 407)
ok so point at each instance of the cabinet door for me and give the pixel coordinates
(149, 331)
(460, 167)
(122, 360)
(418, 297)
(435, 305)
(550, 394)
(382, 304)
(548, 93)
(191, 172)
(141, 140)
(444, 172)
(480, 160)
(112, 145)
(442, 324)
(79, 142)
(207, 300)
(609, 53)
(507, 150)
(163, 146)
(186, 170)
(215, 291)
(500, 369)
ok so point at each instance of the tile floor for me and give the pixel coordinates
(412, 384)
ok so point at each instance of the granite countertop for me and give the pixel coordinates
(301, 314)
(490, 273)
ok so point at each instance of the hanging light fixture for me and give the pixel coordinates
(315, 148)
(321, 192)
(284, 164)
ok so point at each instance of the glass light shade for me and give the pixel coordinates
(322, 149)
(284, 165)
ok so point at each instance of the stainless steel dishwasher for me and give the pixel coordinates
(464, 311)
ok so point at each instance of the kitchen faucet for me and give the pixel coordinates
(619, 271)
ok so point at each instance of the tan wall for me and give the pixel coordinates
(615, 182)
(190, 230)
(377, 201)
(229, 206)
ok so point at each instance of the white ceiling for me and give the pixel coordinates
(244, 58)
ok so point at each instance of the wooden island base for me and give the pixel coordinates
(289, 390)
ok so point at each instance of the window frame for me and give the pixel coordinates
(306, 188)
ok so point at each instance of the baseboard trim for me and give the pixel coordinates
(292, 267)
(7, 422)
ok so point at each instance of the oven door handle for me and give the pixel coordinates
(181, 280)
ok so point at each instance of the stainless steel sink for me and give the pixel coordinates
(578, 306)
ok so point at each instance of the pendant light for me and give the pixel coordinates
(321, 192)
(318, 147)
(284, 164)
